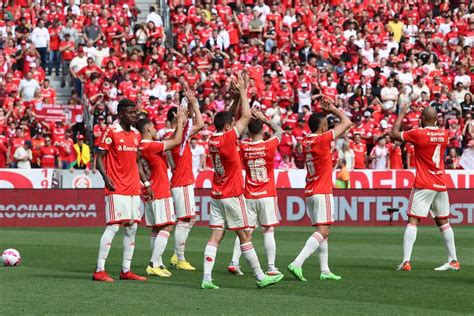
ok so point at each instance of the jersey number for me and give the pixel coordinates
(218, 167)
(437, 156)
(258, 170)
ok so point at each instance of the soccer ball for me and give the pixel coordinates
(11, 258)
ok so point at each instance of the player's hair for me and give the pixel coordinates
(315, 121)
(255, 127)
(125, 103)
(221, 119)
(141, 124)
(171, 114)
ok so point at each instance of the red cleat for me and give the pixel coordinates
(102, 276)
(405, 266)
(131, 276)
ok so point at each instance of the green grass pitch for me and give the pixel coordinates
(55, 276)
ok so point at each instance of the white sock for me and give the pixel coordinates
(158, 249)
(448, 237)
(236, 253)
(105, 244)
(408, 241)
(180, 235)
(309, 248)
(251, 257)
(128, 246)
(152, 239)
(323, 256)
(209, 259)
(270, 246)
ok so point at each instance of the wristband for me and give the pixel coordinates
(146, 184)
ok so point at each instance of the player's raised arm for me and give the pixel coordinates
(395, 132)
(246, 113)
(181, 117)
(277, 130)
(346, 123)
(194, 111)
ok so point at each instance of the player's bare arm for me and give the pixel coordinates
(277, 130)
(144, 178)
(346, 123)
(395, 132)
(246, 113)
(100, 166)
(235, 103)
(194, 111)
(181, 117)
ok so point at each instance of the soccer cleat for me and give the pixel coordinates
(404, 266)
(235, 270)
(160, 271)
(174, 260)
(297, 272)
(184, 265)
(453, 265)
(131, 276)
(329, 276)
(209, 285)
(269, 280)
(102, 276)
(273, 271)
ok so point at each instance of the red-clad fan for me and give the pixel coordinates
(395, 155)
(360, 152)
(48, 155)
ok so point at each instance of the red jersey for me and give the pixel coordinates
(180, 165)
(360, 151)
(227, 181)
(430, 145)
(395, 154)
(153, 153)
(121, 159)
(258, 158)
(317, 150)
(48, 156)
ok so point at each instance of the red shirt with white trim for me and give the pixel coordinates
(121, 159)
(317, 151)
(153, 153)
(430, 145)
(48, 156)
(258, 159)
(181, 166)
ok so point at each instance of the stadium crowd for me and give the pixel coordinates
(369, 56)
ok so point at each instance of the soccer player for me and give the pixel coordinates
(429, 190)
(318, 190)
(228, 209)
(258, 157)
(159, 210)
(180, 161)
(119, 165)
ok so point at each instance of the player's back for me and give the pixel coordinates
(152, 152)
(180, 165)
(317, 151)
(227, 181)
(430, 144)
(258, 159)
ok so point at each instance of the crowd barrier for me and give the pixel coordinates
(73, 207)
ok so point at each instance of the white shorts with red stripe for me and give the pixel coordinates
(230, 213)
(320, 209)
(184, 202)
(160, 212)
(263, 211)
(122, 209)
(424, 200)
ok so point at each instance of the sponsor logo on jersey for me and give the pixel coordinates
(127, 148)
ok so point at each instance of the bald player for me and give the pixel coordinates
(429, 192)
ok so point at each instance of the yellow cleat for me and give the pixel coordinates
(184, 265)
(160, 271)
(174, 260)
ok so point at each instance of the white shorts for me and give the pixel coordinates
(159, 212)
(320, 209)
(424, 200)
(263, 211)
(184, 202)
(230, 213)
(122, 209)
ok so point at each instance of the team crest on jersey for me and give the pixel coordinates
(108, 140)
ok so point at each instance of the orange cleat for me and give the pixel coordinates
(131, 276)
(102, 276)
(405, 266)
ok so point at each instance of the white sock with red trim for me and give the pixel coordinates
(128, 246)
(251, 257)
(309, 248)
(209, 259)
(448, 237)
(152, 239)
(408, 241)
(270, 245)
(323, 256)
(105, 244)
(158, 249)
(236, 253)
(180, 235)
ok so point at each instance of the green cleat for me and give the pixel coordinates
(297, 272)
(329, 276)
(269, 280)
(209, 285)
